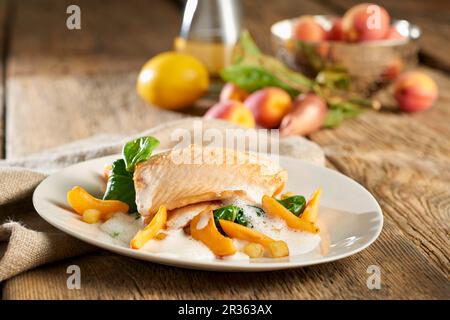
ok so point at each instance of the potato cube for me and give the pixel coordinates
(253, 250)
(92, 216)
(278, 249)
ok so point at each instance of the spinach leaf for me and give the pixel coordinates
(138, 150)
(341, 110)
(121, 186)
(252, 78)
(295, 204)
(231, 213)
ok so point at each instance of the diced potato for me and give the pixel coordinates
(278, 249)
(253, 250)
(91, 216)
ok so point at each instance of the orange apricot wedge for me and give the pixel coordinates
(80, 200)
(274, 208)
(277, 249)
(204, 229)
(312, 207)
(157, 223)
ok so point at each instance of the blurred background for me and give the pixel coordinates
(60, 85)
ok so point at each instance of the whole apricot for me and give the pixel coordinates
(415, 91)
(365, 22)
(232, 111)
(269, 106)
(336, 33)
(306, 28)
(230, 91)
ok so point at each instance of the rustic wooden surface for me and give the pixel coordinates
(59, 86)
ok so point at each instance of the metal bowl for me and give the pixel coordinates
(369, 64)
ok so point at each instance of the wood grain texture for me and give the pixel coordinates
(64, 86)
(404, 160)
(405, 273)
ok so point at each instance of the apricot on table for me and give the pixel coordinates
(230, 91)
(269, 106)
(415, 91)
(306, 28)
(365, 22)
(233, 111)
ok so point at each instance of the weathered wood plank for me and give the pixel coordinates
(403, 159)
(65, 85)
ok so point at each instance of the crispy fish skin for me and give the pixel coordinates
(194, 174)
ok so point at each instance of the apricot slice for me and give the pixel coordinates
(80, 200)
(151, 230)
(277, 249)
(274, 208)
(209, 235)
(312, 207)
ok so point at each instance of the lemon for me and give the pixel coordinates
(172, 80)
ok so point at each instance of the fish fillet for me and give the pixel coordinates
(194, 174)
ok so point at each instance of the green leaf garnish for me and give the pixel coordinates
(295, 204)
(231, 213)
(121, 185)
(138, 150)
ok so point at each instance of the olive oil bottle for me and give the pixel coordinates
(209, 31)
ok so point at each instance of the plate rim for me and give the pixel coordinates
(209, 265)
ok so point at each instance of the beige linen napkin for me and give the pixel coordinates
(27, 241)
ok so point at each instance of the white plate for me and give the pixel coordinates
(351, 218)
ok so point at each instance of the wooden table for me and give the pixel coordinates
(59, 86)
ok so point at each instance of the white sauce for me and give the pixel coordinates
(299, 242)
(121, 228)
(179, 244)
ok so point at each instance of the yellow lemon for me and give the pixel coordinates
(172, 80)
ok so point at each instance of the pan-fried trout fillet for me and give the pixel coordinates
(194, 174)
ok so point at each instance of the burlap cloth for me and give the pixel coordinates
(27, 241)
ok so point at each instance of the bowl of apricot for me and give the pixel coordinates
(365, 45)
